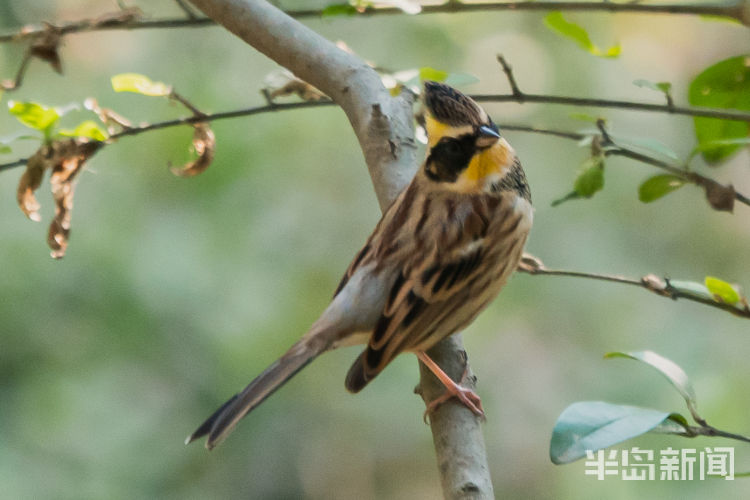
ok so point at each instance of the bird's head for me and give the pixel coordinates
(465, 147)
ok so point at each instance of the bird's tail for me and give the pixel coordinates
(219, 425)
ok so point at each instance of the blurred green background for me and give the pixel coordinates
(175, 292)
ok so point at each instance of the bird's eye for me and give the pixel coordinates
(452, 147)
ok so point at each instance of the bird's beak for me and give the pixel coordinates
(486, 137)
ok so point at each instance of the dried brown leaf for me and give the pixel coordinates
(69, 158)
(122, 16)
(283, 83)
(720, 197)
(45, 47)
(108, 117)
(30, 181)
(204, 144)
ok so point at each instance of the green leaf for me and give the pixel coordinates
(716, 145)
(89, 129)
(140, 84)
(427, 73)
(5, 149)
(556, 22)
(670, 370)
(657, 186)
(594, 425)
(663, 87)
(339, 9)
(34, 115)
(591, 178)
(723, 290)
(726, 84)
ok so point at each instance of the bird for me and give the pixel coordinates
(440, 253)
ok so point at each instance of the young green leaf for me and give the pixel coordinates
(427, 73)
(556, 22)
(89, 129)
(670, 370)
(338, 9)
(591, 178)
(726, 84)
(595, 425)
(722, 290)
(34, 115)
(5, 149)
(140, 84)
(657, 186)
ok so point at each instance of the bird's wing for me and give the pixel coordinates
(431, 284)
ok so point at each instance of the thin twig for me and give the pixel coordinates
(724, 114)
(186, 9)
(652, 283)
(272, 106)
(16, 82)
(508, 70)
(730, 10)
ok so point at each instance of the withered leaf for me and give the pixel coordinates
(68, 160)
(30, 181)
(45, 47)
(719, 196)
(108, 117)
(283, 83)
(122, 16)
(204, 144)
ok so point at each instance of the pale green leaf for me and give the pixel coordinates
(595, 425)
(646, 144)
(669, 369)
(140, 84)
(663, 87)
(458, 79)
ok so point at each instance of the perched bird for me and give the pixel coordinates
(441, 252)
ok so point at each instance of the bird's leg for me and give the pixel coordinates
(467, 396)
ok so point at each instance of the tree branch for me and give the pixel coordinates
(660, 286)
(732, 10)
(611, 150)
(384, 126)
(520, 97)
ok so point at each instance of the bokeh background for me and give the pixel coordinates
(175, 292)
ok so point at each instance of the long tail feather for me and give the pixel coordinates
(219, 425)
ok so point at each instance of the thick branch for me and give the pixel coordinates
(384, 127)
(730, 10)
